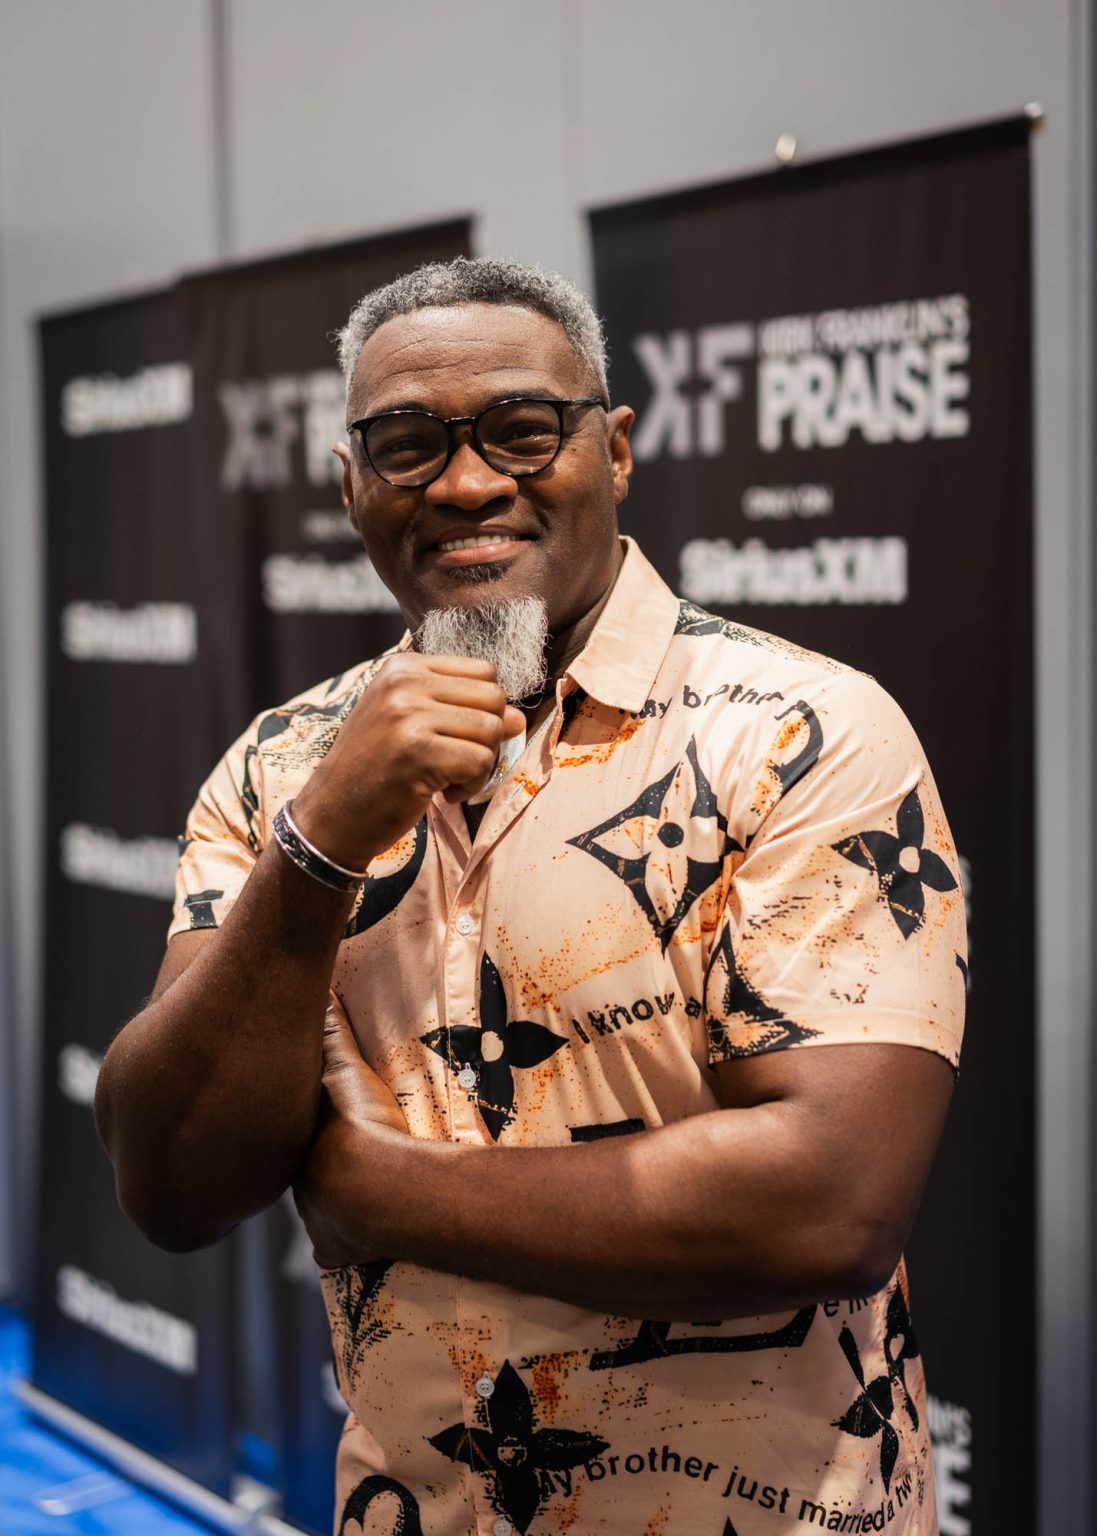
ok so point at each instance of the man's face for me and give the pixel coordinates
(553, 534)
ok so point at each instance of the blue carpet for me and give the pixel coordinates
(50, 1488)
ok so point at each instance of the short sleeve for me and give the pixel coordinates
(220, 846)
(844, 920)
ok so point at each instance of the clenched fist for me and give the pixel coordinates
(425, 724)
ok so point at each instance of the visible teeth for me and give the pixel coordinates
(478, 542)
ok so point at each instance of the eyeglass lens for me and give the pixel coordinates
(517, 437)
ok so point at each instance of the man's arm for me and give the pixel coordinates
(207, 1100)
(802, 1189)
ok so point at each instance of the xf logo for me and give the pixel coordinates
(267, 417)
(694, 379)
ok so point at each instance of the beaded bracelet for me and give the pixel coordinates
(301, 852)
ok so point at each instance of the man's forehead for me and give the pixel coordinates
(463, 344)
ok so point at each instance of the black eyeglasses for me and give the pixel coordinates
(515, 437)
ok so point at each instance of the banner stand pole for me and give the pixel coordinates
(155, 1475)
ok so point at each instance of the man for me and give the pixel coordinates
(670, 1008)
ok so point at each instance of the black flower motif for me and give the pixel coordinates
(494, 1050)
(870, 1412)
(511, 1454)
(769, 1029)
(357, 1291)
(688, 878)
(408, 1522)
(695, 621)
(873, 1408)
(382, 893)
(200, 906)
(901, 1345)
(901, 864)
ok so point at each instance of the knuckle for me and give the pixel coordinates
(484, 758)
(405, 742)
(387, 673)
(398, 674)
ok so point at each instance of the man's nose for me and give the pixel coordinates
(468, 481)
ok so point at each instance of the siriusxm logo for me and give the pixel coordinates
(143, 866)
(841, 570)
(162, 633)
(153, 397)
(135, 1325)
(311, 584)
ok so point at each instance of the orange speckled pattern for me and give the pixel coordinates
(724, 845)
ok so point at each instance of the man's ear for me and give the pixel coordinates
(618, 430)
(342, 453)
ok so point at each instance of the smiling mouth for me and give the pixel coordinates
(481, 541)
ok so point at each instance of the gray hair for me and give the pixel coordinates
(480, 280)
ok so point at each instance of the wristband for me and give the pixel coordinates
(297, 848)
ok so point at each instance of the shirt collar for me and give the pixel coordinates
(619, 662)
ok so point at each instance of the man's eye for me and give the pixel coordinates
(520, 429)
(529, 426)
(403, 445)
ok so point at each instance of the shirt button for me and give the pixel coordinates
(484, 1388)
(467, 1078)
(502, 1527)
(464, 924)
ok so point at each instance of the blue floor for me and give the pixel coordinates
(48, 1487)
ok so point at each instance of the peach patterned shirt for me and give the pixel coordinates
(723, 845)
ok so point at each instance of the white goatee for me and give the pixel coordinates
(512, 634)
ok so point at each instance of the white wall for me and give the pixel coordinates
(106, 159)
(122, 160)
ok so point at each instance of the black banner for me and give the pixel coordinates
(289, 598)
(286, 588)
(831, 371)
(129, 1336)
(201, 567)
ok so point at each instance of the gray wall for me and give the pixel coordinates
(106, 170)
(138, 139)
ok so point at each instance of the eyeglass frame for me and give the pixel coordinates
(473, 422)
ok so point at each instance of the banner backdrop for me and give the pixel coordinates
(288, 598)
(831, 372)
(286, 590)
(129, 1336)
(201, 568)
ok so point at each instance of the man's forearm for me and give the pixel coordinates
(207, 1099)
(713, 1217)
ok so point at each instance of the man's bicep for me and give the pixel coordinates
(863, 1120)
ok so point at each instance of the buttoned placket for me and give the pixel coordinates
(465, 862)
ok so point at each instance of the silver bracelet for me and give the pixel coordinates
(297, 848)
